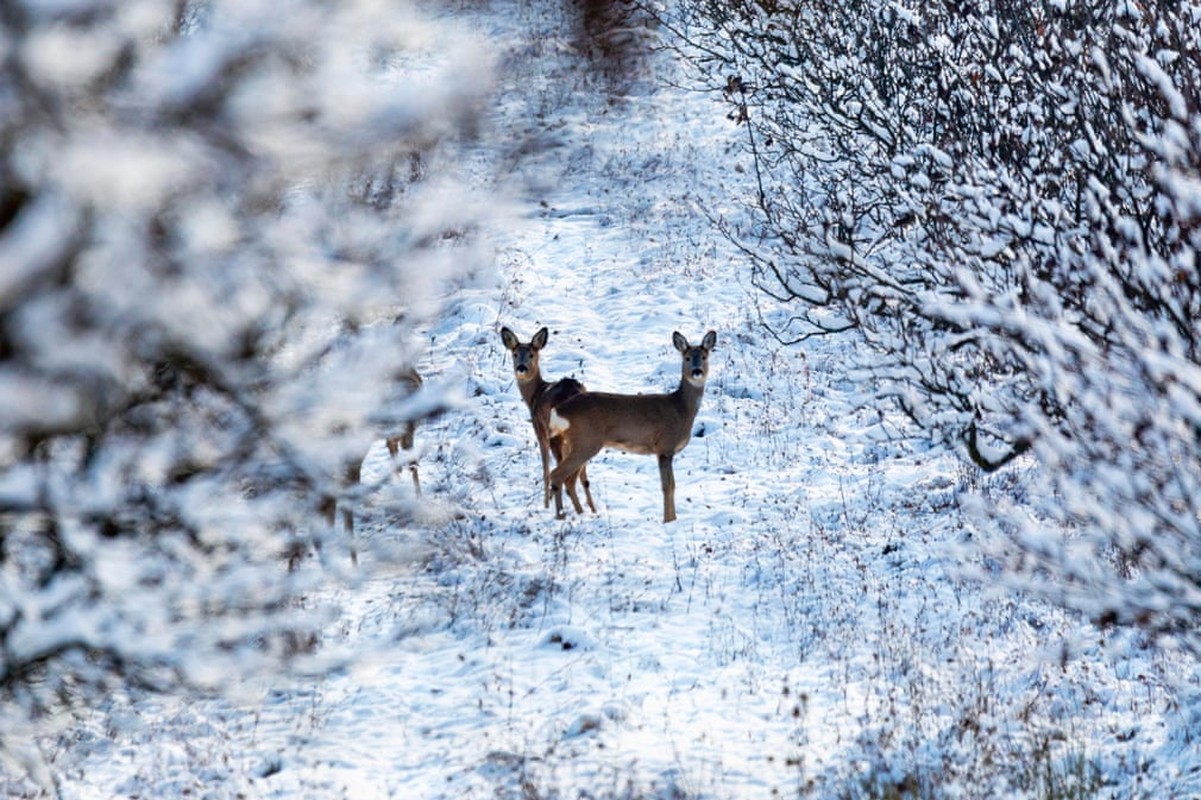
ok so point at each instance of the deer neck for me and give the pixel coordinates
(531, 389)
(689, 396)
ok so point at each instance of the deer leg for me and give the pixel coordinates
(587, 491)
(557, 490)
(545, 447)
(354, 474)
(348, 522)
(669, 487)
(567, 468)
(329, 508)
(404, 442)
(571, 492)
(556, 448)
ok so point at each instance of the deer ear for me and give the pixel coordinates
(679, 341)
(509, 338)
(539, 340)
(710, 340)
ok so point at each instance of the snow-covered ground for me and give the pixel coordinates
(801, 630)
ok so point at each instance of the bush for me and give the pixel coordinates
(1001, 200)
(195, 199)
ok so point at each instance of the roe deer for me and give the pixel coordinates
(407, 381)
(649, 424)
(541, 397)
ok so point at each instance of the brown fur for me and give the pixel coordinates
(647, 424)
(542, 398)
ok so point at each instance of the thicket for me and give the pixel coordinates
(210, 215)
(1003, 201)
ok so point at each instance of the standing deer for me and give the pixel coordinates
(541, 398)
(407, 381)
(649, 424)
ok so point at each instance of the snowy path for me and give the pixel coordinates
(798, 630)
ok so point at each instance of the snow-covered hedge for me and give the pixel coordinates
(195, 198)
(1003, 200)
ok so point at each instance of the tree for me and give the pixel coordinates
(206, 210)
(1002, 201)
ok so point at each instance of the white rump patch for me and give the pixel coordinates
(557, 424)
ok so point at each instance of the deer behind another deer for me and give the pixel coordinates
(541, 397)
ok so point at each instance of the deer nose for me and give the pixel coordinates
(521, 369)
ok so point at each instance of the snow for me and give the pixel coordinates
(65, 57)
(1154, 74)
(805, 628)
